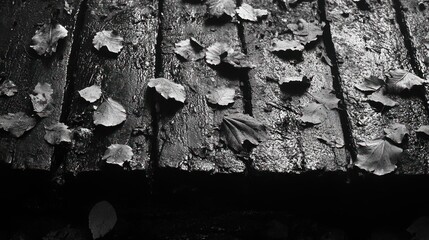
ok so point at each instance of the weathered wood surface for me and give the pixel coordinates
(123, 77)
(189, 134)
(291, 147)
(369, 42)
(21, 64)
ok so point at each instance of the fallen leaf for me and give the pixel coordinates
(220, 8)
(46, 38)
(216, 52)
(313, 113)
(8, 89)
(67, 233)
(326, 59)
(109, 39)
(327, 98)
(221, 96)
(190, 49)
(91, 94)
(286, 45)
(238, 60)
(238, 128)
(42, 100)
(17, 123)
(110, 113)
(379, 97)
(301, 81)
(305, 32)
(400, 80)
(247, 12)
(331, 140)
(396, 132)
(371, 84)
(102, 218)
(420, 228)
(168, 89)
(423, 129)
(68, 8)
(118, 154)
(57, 133)
(378, 156)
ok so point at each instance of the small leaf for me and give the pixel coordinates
(400, 80)
(110, 113)
(305, 32)
(118, 154)
(68, 8)
(42, 100)
(102, 218)
(396, 132)
(301, 81)
(379, 97)
(221, 96)
(327, 98)
(91, 94)
(8, 88)
(238, 128)
(326, 59)
(420, 229)
(168, 89)
(286, 45)
(17, 123)
(371, 84)
(247, 12)
(46, 38)
(238, 60)
(423, 129)
(216, 52)
(313, 113)
(190, 49)
(109, 39)
(331, 140)
(220, 8)
(57, 133)
(378, 156)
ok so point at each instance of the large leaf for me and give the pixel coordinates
(42, 100)
(378, 156)
(220, 8)
(168, 89)
(313, 113)
(46, 38)
(109, 39)
(118, 154)
(190, 49)
(102, 218)
(371, 84)
(238, 128)
(420, 228)
(400, 80)
(221, 96)
(8, 88)
(17, 123)
(305, 32)
(91, 94)
(110, 113)
(57, 133)
(396, 132)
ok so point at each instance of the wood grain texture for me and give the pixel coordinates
(122, 77)
(291, 147)
(369, 42)
(189, 134)
(19, 21)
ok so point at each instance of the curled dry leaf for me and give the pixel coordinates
(380, 98)
(220, 8)
(45, 41)
(190, 49)
(313, 113)
(247, 12)
(286, 45)
(110, 113)
(109, 39)
(221, 96)
(420, 228)
(400, 80)
(305, 32)
(118, 154)
(42, 100)
(423, 129)
(102, 218)
(91, 94)
(57, 133)
(396, 132)
(371, 84)
(17, 123)
(168, 89)
(378, 156)
(327, 98)
(238, 128)
(8, 88)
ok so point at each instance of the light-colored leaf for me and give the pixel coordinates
(396, 132)
(42, 100)
(216, 52)
(331, 140)
(305, 32)
(378, 156)
(400, 80)
(371, 84)
(286, 45)
(110, 113)
(247, 12)
(238, 128)
(57, 133)
(221, 96)
(327, 98)
(8, 88)
(190, 49)
(68, 8)
(238, 60)
(109, 39)
(91, 94)
(420, 228)
(45, 41)
(423, 129)
(102, 218)
(17, 123)
(220, 8)
(168, 89)
(313, 113)
(379, 97)
(118, 154)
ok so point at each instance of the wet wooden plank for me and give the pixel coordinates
(19, 21)
(122, 77)
(370, 43)
(189, 135)
(291, 147)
